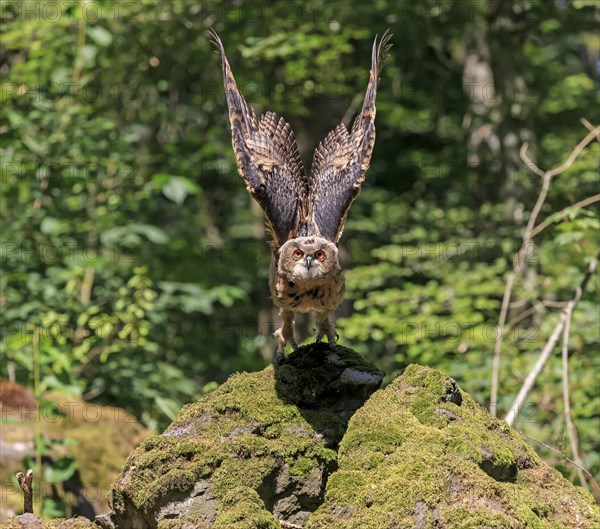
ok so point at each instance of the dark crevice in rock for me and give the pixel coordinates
(294, 498)
(330, 381)
(452, 392)
(498, 470)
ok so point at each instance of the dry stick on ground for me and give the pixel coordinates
(26, 483)
(565, 382)
(547, 350)
(522, 254)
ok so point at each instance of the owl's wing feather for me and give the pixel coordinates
(268, 160)
(342, 159)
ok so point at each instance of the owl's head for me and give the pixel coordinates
(308, 258)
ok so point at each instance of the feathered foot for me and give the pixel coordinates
(326, 328)
(285, 334)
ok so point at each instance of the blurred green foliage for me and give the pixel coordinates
(133, 255)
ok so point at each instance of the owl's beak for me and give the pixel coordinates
(308, 261)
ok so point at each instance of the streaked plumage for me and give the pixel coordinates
(305, 214)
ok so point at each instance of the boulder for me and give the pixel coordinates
(256, 451)
(313, 444)
(422, 454)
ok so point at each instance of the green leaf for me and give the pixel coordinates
(60, 470)
(178, 188)
(100, 36)
(51, 226)
(120, 234)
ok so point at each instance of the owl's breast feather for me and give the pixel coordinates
(319, 295)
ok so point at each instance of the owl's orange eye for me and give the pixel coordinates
(320, 255)
(297, 254)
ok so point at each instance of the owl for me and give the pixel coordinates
(305, 214)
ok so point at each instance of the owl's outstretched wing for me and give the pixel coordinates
(268, 160)
(342, 158)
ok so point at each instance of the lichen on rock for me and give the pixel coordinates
(423, 454)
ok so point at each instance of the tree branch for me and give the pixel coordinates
(575, 153)
(522, 254)
(581, 204)
(589, 126)
(522, 315)
(566, 400)
(547, 350)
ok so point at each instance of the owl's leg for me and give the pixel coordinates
(325, 328)
(285, 333)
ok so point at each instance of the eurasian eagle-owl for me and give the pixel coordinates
(305, 214)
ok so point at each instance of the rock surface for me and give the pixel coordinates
(421, 454)
(256, 451)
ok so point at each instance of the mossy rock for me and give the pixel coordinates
(257, 450)
(422, 454)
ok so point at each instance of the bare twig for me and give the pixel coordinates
(547, 350)
(86, 285)
(575, 153)
(556, 304)
(537, 368)
(522, 254)
(517, 303)
(595, 485)
(581, 204)
(566, 400)
(498, 344)
(522, 315)
(589, 126)
(26, 483)
(538, 306)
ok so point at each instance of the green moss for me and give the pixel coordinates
(473, 517)
(238, 434)
(423, 454)
(420, 453)
(242, 508)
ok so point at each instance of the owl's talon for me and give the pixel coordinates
(333, 341)
(285, 334)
